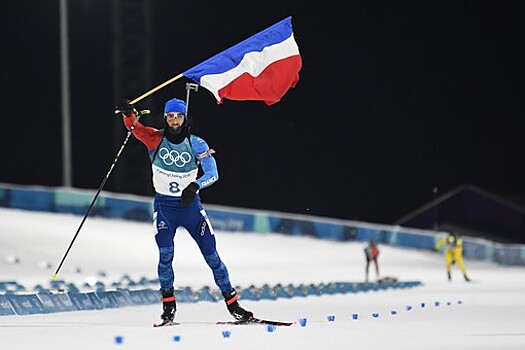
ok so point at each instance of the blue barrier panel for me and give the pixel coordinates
(121, 297)
(185, 295)
(359, 287)
(152, 296)
(333, 231)
(204, 294)
(293, 227)
(248, 294)
(340, 287)
(5, 306)
(26, 304)
(95, 300)
(33, 199)
(509, 255)
(478, 251)
(56, 302)
(280, 292)
(231, 221)
(267, 293)
(4, 197)
(78, 203)
(367, 233)
(331, 288)
(64, 300)
(128, 209)
(138, 297)
(46, 302)
(348, 287)
(107, 300)
(40, 289)
(325, 289)
(11, 286)
(58, 284)
(298, 291)
(312, 289)
(81, 301)
(414, 240)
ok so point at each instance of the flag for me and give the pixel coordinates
(261, 68)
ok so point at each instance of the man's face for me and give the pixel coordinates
(174, 120)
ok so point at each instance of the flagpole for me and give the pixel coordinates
(146, 94)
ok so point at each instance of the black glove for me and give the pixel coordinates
(188, 194)
(124, 107)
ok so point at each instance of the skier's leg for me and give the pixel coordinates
(204, 236)
(377, 267)
(164, 234)
(459, 260)
(448, 263)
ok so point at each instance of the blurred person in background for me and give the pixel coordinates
(453, 253)
(371, 254)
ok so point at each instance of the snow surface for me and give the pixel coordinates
(488, 313)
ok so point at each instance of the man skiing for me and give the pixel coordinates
(371, 254)
(176, 156)
(453, 253)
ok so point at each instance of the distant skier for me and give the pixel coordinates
(371, 254)
(453, 253)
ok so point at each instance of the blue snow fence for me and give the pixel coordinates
(108, 300)
(5, 306)
(281, 292)
(267, 293)
(26, 304)
(56, 302)
(121, 297)
(138, 297)
(204, 294)
(248, 294)
(82, 301)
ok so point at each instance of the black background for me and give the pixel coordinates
(394, 98)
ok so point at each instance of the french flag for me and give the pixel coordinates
(261, 68)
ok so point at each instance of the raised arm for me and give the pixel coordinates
(149, 136)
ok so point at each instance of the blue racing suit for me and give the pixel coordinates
(174, 167)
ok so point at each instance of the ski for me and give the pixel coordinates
(166, 324)
(255, 320)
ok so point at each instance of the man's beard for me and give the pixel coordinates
(177, 134)
(175, 130)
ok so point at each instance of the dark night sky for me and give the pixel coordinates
(394, 98)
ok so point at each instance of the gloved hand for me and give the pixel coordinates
(124, 107)
(188, 194)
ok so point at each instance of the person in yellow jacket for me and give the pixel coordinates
(453, 253)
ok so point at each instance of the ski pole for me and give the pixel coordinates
(140, 114)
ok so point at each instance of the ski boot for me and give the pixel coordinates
(168, 305)
(466, 278)
(234, 308)
(449, 276)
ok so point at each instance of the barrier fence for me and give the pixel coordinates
(111, 205)
(68, 297)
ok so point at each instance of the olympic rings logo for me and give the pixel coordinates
(174, 157)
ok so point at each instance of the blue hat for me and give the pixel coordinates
(175, 105)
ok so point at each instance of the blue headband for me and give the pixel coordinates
(175, 105)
